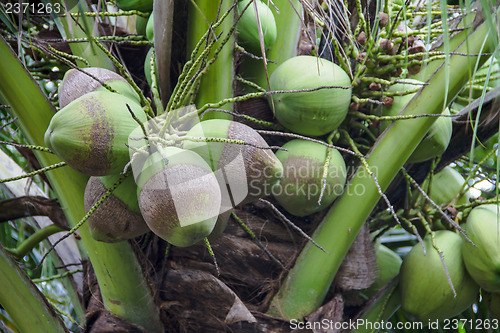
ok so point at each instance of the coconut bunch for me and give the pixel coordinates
(191, 174)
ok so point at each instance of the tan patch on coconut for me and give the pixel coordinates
(76, 83)
(261, 165)
(200, 197)
(96, 159)
(112, 221)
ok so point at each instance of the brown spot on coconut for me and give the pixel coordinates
(248, 172)
(91, 133)
(77, 82)
(179, 196)
(118, 218)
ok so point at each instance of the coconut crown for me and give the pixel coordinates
(91, 133)
(316, 112)
(77, 83)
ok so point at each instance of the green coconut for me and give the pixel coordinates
(76, 84)
(299, 189)
(91, 133)
(310, 113)
(140, 25)
(483, 260)
(118, 217)
(249, 171)
(446, 185)
(388, 265)
(140, 5)
(150, 28)
(435, 141)
(425, 292)
(179, 196)
(247, 26)
(437, 138)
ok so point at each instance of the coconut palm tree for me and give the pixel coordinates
(270, 270)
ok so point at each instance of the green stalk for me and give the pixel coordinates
(70, 29)
(31, 242)
(216, 84)
(123, 287)
(308, 281)
(22, 300)
(288, 23)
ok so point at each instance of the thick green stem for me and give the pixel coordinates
(216, 84)
(123, 287)
(22, 300)
(307, 283)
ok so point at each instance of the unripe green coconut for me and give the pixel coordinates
(316, 112)
(147, 67)
(247, 27)
(91, 133)
(249, 171)
(140, 5)
(299, 189)
(388, 265)
(118, 218)
(179, 196)
(140, 25)
(437, 138)
(220, 225)
(483, 260)
(76, 84)
(425, 292)
(150, 28)
(446, 185)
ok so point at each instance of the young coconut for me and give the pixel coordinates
(388, 264)
(446, 185)
(439, 135)
(300, 187)
(76, 84)
(425, 292)
(248, 170)
(91, 133)
(316, 112)
(482, 259)
(179, 196)
(247, 27)
(118, 218)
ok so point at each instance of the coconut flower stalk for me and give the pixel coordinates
(306, 285)
(216, 83)
(122, 284)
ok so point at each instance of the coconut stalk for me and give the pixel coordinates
(70, 29)
(22, 300)
(216, 84)
(121, 281)
(307, 283)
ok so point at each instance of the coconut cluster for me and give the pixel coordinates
(186, 175)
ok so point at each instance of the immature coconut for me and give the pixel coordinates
(76, 84)
(316, 112)
(425, 292)
(248, 30)
(179, 196)
(437, 138)
(446, 185)
(91, 133)
(482, 259)
(118, 217)
(388, 265)
(300, 187)
(250, 171)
